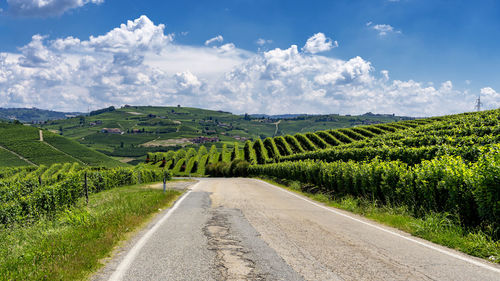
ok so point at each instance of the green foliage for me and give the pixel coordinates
(328, 138)
(191, 164)
(260, 152)
(179, 166)
(337, 134)
(271, 149)
(305, 143)
(445, 184)
(28, 199)
(409, 155)
(318, 142)
(352, 134)
(225, 155)
(202, 164)
(202, 151)
(363, 132)
(235, 153)
(294, 144)
(237, 168)
(283, 147)
(249, 153)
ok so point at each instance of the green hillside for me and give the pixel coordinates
(137, 130)
(7, 158)
(25, 141)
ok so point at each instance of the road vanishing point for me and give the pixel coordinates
(247, 229)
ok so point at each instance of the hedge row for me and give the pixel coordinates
(445, 184)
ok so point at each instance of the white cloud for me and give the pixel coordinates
(137, 63)
(45, 8)
(319, 43)
(383, 29)
(262, 42)
(490, 98)
(385, 74)
(217, 38)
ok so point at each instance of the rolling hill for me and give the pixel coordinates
(133, 131)
(21, 145)
(29, 115)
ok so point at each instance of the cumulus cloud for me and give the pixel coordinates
(217, 38)
(383, 29)
(490, 98)
(138, 63)
(45, 8)
(319, 43)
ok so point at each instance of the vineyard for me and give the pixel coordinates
(446, 164)
(271, 150)
(29, 193)
(25, 141)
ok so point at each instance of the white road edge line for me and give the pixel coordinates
(131, 255)
(469, 260)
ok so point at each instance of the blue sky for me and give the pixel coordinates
(443, 52)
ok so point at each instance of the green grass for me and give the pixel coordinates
(71, 246)
(439, 228)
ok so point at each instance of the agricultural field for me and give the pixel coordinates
(25, 142)
(137, 130)
(7, 158)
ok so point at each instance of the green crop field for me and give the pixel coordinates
(11, 160)
(25, 141)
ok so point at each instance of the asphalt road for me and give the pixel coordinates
(245, 229)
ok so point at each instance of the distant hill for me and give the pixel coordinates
(20, 145)
(29, 115)
(132, 131)
(280, 116)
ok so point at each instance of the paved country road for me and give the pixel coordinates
(246, 229)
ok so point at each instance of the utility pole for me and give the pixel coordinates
(477, 107)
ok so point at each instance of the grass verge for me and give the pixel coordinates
(71, 246)
(440, 228)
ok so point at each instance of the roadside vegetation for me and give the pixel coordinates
(71, 244)
(49, 232)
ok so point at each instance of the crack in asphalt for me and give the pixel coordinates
(232, 259)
